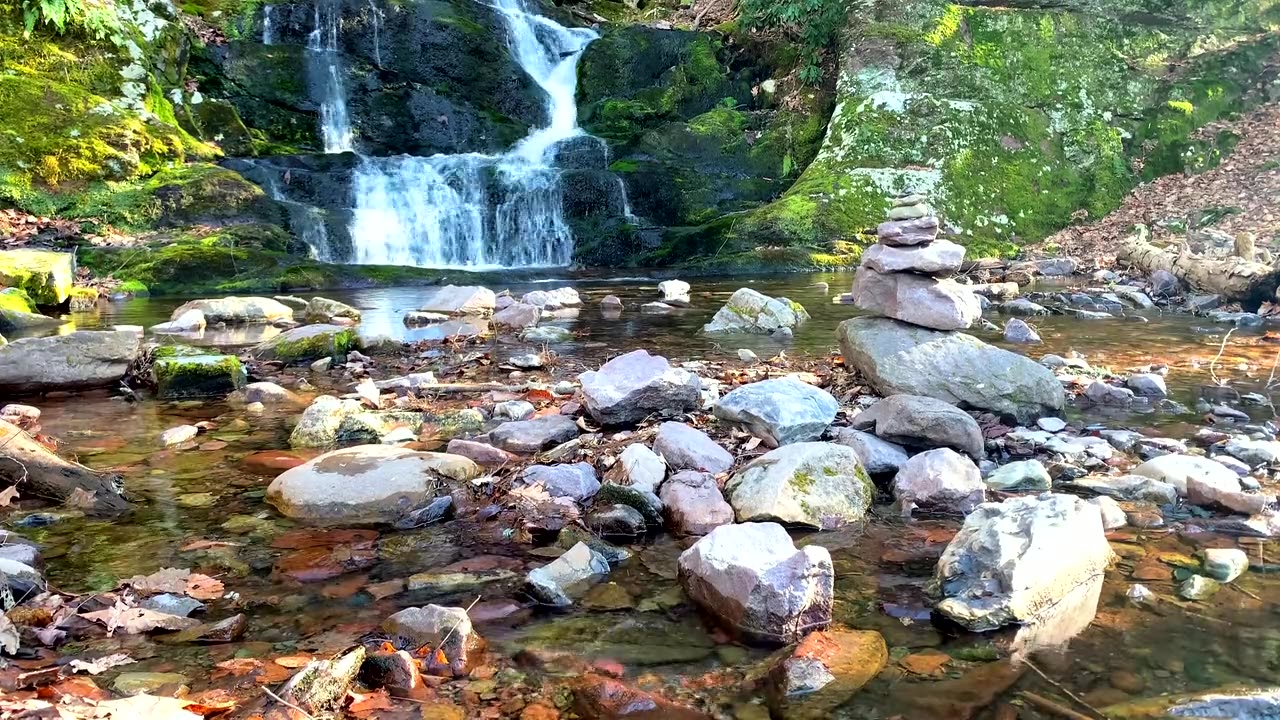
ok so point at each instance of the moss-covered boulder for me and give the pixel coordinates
(44, 275)
(18, 313)
(307, 343)
(181, 375)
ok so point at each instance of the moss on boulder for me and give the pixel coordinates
(307, 343)
(17, 312)
(44, 275)
(178, 374)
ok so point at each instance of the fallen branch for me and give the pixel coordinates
(470, 387)
(44, 474)
(1052, 707)
(1235, 279)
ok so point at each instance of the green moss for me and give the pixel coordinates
(308, 343)
(135, 288)
(178, 375)
(16, 300)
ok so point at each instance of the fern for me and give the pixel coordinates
(96, 18)
(816, 23)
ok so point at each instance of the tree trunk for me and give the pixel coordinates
(38, 472)
(1235, 279)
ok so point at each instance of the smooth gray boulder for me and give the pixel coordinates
(1147, 385)
(236, 310)
(940, 481)
(577, 481)
(684, 447)
(630, 387)
(1020, 475)
(814, 484)
(1018, 331)
(959, 369)
(81, 360)
(324, 310)
(531, 436)
(1012, 562)
(560, 581)
(751, 311)
(937, 258)
(365, 484)
(754, 582)
(694, 504)
(919, 421)
(923, 301)
(780, 410)
(878, 456)
(460, 300)
(517, 316)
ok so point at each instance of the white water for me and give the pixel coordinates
(268, 35)
(481, 211)
(322, 52)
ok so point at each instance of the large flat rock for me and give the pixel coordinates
(916, 299)
(897, 358)
(77, 361)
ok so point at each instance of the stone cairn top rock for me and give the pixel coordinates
(902, 275)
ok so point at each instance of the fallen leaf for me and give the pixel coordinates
(167, 580)
(539, 395)
(203, 587)
(236, 667)
(294, 661)
(8, 495)
(367, 703)
(138, 620)
(102, 664)
(145, 707)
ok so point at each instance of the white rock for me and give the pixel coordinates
(753, 312)
(633, 386)
(674, 292)
(642, 468)
(939, 480)
(190, 321)
(565, 297)
(1225, 564)
(815, 484)
(780, 410)
(179, 435)
(1113, 516)
(460, 300)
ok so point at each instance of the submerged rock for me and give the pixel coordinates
(684, 447)
(546, 334)
(694, 504)
(308, 343)
(81, 360)
(558, 582)
(1012, 561)
(826, 669)
(1225, 564)
(531, 436)
(460, 300)
(182, 376)
(447, 629)
(1237, 703)
(939, 481)
(630, 387)
(779, 411)
(269, 393)
(922, 421)
(754, 312)
(366, 483)
(753, 580)
(953, 367)
(237, 310)
(814, 484)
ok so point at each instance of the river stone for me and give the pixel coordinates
(1013, 561)
(1113, 516)
(910, 212)
(417, 318)
(1021, 475)
(611, 303)
(568, 575)
(684, 447)
(923, 301)
(517, 316)
(1235, 702)
(1128, 487)
(750, 311)
(936, 258)
(307, 343)
(616, 522)
(1256, 453)
(645, 502)
(564, 297)
(577, 481)
(514, 410)
(1225, 490)
(81, 360)
(323, 310)
(365, 484)
(188, 322)
(920, 421)
(130, 684)
(674, 292)
(237, 310)
(178, 435)
(44, 275)
(322, 420)
(656, 308)
(1024, 308)
(171, 604)
(1147, 385)
(1198, 587)
(443, 629)
(779, 410)
(877, 456)
(939, 481)
(641, 467)
(531, 436)
(826, 669)
(753, 580)
(907, 233)
(630, 387)
(1225, 564)
(1176, 469)
(1017, 331)
(694, 503)
(188, 376)
(956, 368)
(269, 393)
(480, 453)
(815, 484)
(460, 300)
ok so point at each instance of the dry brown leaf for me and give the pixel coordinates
(203, 587)
(138, 620)
(8, 495)
(145, 707)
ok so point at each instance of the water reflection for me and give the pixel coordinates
(1056, 626)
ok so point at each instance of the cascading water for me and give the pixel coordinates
(268, 31)
(326, 77)
(476, 210)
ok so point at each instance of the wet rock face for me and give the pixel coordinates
(630, 387)
(753, 580)
(779, 411)
(1012, 561)
(566, 577)
(813, 484)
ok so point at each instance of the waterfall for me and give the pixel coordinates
(326, 75)
(268, 38)
(473, 210)
(376, 15)
(306, 222)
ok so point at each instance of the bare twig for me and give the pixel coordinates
(1062, 689)
(287, 704)
(449, 634)
(1213, 363)
(1050, 706)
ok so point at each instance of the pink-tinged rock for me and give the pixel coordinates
(480, 453)
(903, 233)
(694, 503)
(915, 299)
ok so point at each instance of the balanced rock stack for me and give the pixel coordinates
(901, 275)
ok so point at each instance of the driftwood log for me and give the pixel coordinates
(1235, 279)
(38, 472)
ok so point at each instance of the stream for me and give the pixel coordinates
(203, 508)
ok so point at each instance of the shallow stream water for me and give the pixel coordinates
(214, 492)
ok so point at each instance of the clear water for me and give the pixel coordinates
(481, 211)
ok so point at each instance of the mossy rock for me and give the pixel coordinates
(182, 376)
(44, 275)
(17, 312)
(84, 298)
(308, 343)
(16, 300)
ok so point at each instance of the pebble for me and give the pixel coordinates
(1051, 424)
(1198, 587)
(1225, 564)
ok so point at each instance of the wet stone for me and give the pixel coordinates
(616, 521)
(568, 574)
(531, 436)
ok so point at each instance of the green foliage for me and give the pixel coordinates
(96, 18)
(815, 23)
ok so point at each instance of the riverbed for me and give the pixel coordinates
(202, 508)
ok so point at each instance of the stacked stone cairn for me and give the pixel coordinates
(903, 275)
